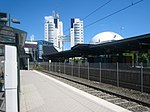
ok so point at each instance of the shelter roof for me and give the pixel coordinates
(137, 43)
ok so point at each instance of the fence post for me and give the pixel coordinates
(44, 66)
(59, 68)
(72, 68)
(100, 68)
(52, 67)
(117, 75)
(88, 71)
(79, 70)
(48, 66)
(55, 66)
(64, 67)
(141, 77)
(28, 63)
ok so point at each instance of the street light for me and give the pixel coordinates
(19, 37)
(9, 20)
(15, 21)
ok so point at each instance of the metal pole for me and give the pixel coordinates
(79, 70)
(18, 69)
(117, 75)
(141, 77)
(72, 69)
(100, 68)
(64, 67)
(28, 63)
(9, 19)
(55, 66)
(52, 66)
(59, 68)
(88, 71)
(45, 66)
(49, 66)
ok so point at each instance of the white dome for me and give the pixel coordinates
(105, 37)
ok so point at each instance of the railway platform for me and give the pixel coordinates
(41, 93)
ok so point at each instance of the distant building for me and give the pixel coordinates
(35, 49)
(53, 31)
(105, 37)
(76, 32)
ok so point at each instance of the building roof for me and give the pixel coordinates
(136, 43)
(12, 36)
(47, 49)
(105, 37)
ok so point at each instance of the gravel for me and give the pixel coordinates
(133, 106)
(139, 109)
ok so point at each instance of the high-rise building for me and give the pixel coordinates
(53, 30)
(76, 32)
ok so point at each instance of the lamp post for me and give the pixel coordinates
(13, 20)
(9, 20)
(6, 21)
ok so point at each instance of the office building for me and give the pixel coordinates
(36, 48)
(53, 31)
(76, 32)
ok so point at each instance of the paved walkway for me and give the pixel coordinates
(40, 93)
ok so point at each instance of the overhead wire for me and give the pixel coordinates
(96, 9)
(93, 12)
(120, 10)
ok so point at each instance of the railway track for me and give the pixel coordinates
(117, 99)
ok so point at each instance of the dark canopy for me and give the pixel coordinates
(138, 43)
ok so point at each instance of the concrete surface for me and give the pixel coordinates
(41, 93)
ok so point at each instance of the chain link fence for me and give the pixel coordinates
(118, 74)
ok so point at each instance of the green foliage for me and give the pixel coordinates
(38, 67)
(144, 57)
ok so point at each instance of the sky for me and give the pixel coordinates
(130, 22)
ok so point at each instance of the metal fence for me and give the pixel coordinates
(118, 74)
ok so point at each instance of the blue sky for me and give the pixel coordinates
(130, 22)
